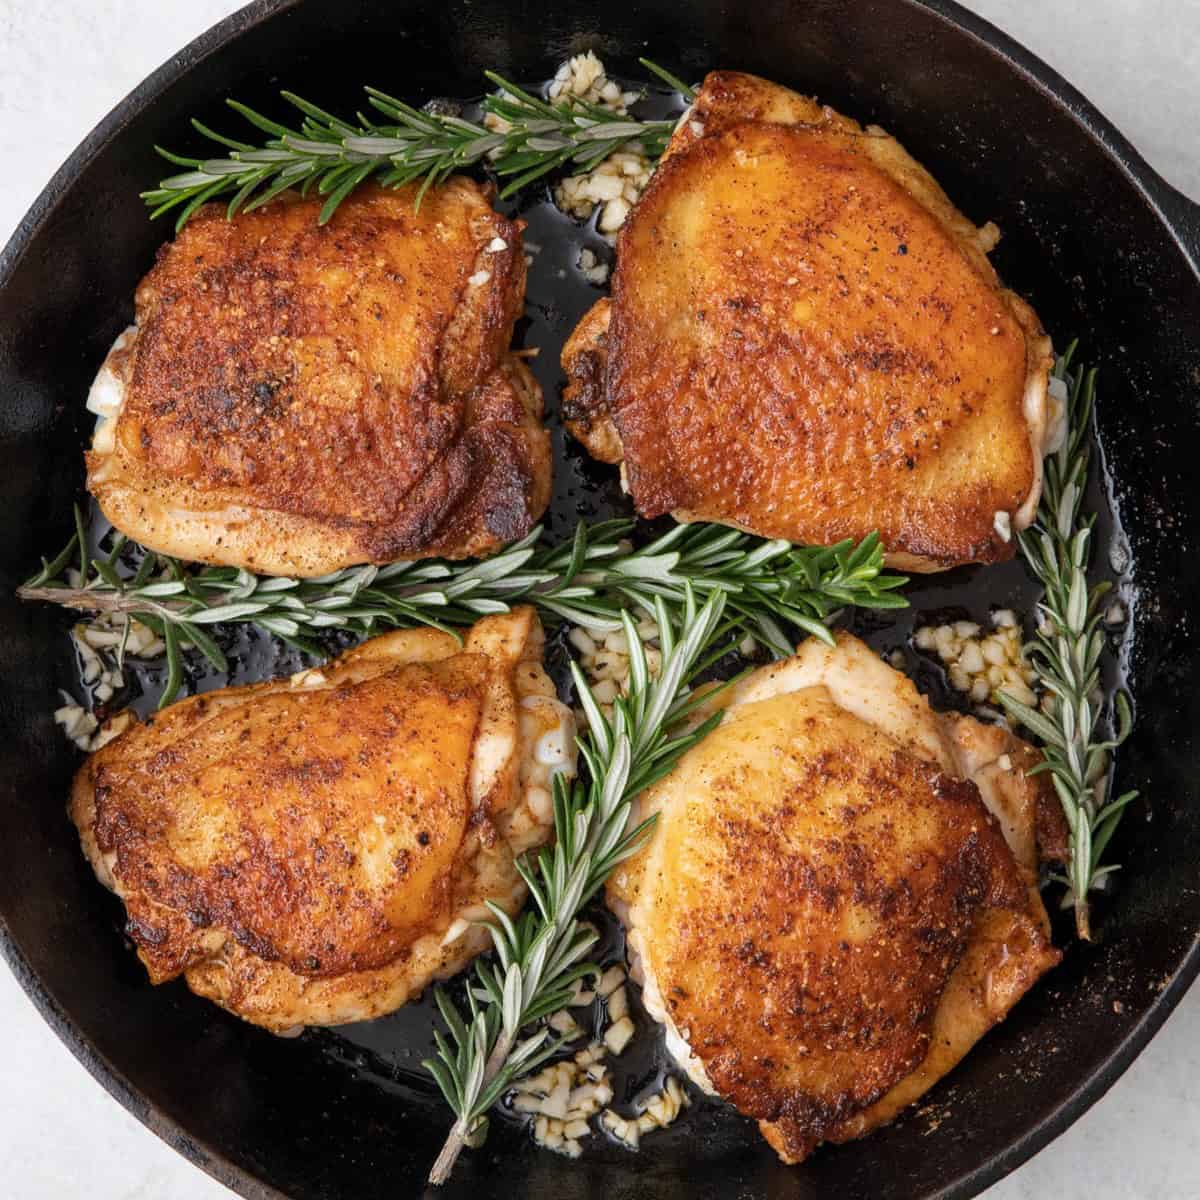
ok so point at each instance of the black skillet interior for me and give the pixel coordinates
(1085, 237)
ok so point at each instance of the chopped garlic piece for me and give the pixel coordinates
(618, 1004)
(582, 641)
(618, 1035)
(611, 980)
(982, 665)
(582, 996)
(555, 1104)
(593, 1054)
(562, 1022)
(621, 1129)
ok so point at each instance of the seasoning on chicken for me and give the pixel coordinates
(315, 850)
(297, 398)
(805, 339)
(839, 896)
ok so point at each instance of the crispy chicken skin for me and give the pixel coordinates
(297, 398)
(310, 851)
(805, 339)
(839, 896)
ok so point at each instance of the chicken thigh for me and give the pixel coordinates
(806, 340)
(297, 398)
(839, 897)
(313, 851)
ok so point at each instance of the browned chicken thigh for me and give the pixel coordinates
(296, 398)
(806, 340)
(839, 897)
(314, 850)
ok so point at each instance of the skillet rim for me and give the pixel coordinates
(1179, 216)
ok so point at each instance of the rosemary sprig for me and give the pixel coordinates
(540, 955)
(672, 81)
(770, 587)
(1066, 651)
(531, 138)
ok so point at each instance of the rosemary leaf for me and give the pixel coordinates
(1066, 651)
(592, 581)
(541, 952)
(532, 137)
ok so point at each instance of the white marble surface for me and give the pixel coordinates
(62, 66)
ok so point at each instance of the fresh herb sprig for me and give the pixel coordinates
(770, 587)
(531, 138)
(539, 956)
(1066, 651)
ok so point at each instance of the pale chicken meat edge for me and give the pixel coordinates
(316, 850)
(839, 896)
(295, 398)
(806, 340)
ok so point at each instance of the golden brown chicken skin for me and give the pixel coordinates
(296, 398)
(839, 896)
(311, 851)
(805, 339)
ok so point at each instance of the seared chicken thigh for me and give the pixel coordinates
(296, 398)
(806, 340)
(313, 851)
(839, 897)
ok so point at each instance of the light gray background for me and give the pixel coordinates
(63, 65)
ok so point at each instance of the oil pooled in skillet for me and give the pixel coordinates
(388, 1051)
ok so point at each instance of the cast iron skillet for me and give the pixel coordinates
(1105, 249)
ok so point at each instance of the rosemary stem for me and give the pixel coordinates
(1083, 924)
(540, 953)
(589, 581)
(456, 1138)
(530, 138)
(88, 600)
(1079, 731)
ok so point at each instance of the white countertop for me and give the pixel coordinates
(63, 65)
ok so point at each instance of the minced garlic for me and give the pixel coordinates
(604, 659)
(564, 1096)
(982, 665)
